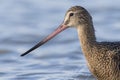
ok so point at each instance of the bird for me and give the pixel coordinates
(102, 58)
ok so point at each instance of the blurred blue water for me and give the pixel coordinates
(24, 22)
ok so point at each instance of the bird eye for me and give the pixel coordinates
(71, 14)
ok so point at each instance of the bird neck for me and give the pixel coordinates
(87, 37)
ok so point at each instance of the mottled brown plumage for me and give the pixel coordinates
(103, 58)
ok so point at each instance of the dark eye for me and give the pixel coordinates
(71, 14)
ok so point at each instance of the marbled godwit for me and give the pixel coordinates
(103, 58)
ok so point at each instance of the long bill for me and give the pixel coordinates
(57, 31)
